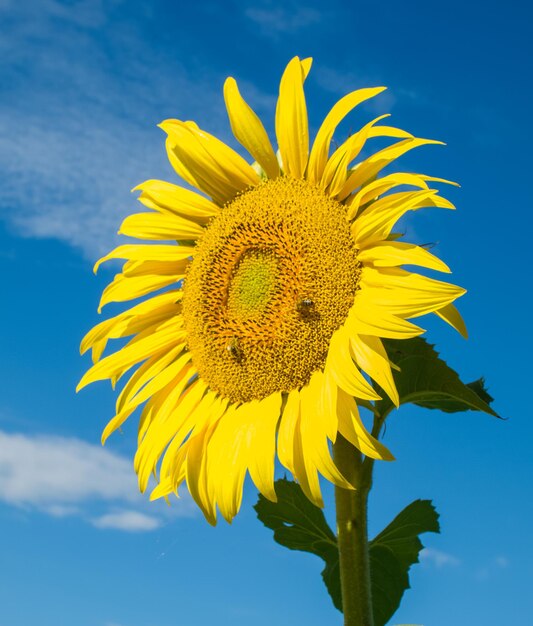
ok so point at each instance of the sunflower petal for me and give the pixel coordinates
(380, 186)
(367, 319)
(371, 357)
(292, 129)
(249, 130)
(394, 253)
(137, 252)
(207, 163)
(228, 458)
(123, 288)
(196, 463)
(118, 363)
(184, 419)
(336, 169)
(314, 436)
(451, 315)
(262, 444)
(320, 151)
(407, 294)
(287, 425)
(305, 473)
(377, 221)
(340, 366)
(352, 428)
(375, 163)
(159, 226)
(162, 196)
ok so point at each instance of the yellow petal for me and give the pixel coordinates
(144, 374)
(287, 425)
(118, 363)
(316, 453)
(185, 418)
(249, 130)
(328, 405)
(320, 151)
(306, 66)
(377, 221)
(340, 366)
(371, 357)
(262, 446)
(153, 439)
(228, 458)
(365, 318)
(394, 253)
(336, 169)
(137, 252)
(197, 475)
(375, 163)
(155, 268)
(291, 120)
(380, 186)
(162, 196)
(123, 288)
(160, 226)
(352, 428)
(207, 163)
(305, 473)
(133, 320)
(451, 315)
(407, 294)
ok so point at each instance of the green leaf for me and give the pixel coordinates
(392, 553)
(426, 380)
(300, 525)
(388, 582)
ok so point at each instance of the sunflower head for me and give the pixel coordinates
(269, 289)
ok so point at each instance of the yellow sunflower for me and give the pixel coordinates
(276, 284)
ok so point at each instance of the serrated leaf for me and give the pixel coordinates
(300, 525)
(392, 553)
(426, 380)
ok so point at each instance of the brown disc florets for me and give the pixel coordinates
(274, 275)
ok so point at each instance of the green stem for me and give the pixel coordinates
(352, 536)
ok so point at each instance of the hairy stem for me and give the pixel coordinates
(352, 536)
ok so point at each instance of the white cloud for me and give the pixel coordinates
(132, 521)
(53, 471)
(274, 21)
(63, 476)
(78, 119)
(438, 558)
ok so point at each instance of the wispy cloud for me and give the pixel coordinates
(438, 558)
(78, 118)
(64, 476)
(132, 521)
(277, 20)
(492, 568)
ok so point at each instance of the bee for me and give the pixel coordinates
(234, 350)
(305, 306)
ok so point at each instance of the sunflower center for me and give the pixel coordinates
(252, 284)
(274, 275)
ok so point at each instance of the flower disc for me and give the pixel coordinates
(273, 276)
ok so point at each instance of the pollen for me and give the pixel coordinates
(273, 276)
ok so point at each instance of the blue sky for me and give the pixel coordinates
(84, 84)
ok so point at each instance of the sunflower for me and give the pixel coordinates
(276, 285)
